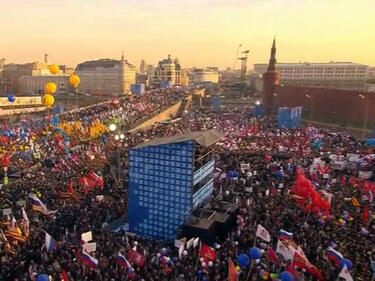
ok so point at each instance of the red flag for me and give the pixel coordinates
(6, 160)
(208, 253)
(302, 262)
(290, 269)
(343, 180)
(64, 275)
(71, 188)
(272, 256)
(232, 272)
(366, 214)
(137, 258)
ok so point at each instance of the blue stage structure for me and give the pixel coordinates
(216, 102)
(169, 178)
(258, 110)
(290, 117)
(137, 89)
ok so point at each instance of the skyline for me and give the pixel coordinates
(75, 31)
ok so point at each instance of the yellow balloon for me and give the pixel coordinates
(48, 100)
(50, 88)
(54, 68)
(238, 268)
(74, 80)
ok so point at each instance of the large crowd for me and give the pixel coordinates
(258, 167)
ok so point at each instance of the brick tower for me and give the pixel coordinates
(271, 79)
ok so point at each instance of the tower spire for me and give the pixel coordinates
(272, 63)
(122, 56)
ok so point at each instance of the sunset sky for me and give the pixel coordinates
(199, 32)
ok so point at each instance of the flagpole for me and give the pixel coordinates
(198, 257)
(252, 261)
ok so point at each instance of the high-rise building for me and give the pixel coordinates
(168, 71)
(271, 79)
(106, 76)
(339, 75)
(143, 67)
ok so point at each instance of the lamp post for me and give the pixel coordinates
(310, 106)
(365, 104)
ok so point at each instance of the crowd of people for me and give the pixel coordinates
(260, 167)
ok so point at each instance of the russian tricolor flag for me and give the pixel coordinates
(38, 205)
(91, 261)
(51, 244)
(285, 235)
(121, 260)
(334, 256)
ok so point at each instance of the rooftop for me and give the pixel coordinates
(317, 64)
(204, 138)
(105, 63)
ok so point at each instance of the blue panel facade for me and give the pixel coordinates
(160, 187)
(203, 193)
(296, 116)
(137, 88)
(290, 117)
(216, 102)
(284, 117)
(203, 172)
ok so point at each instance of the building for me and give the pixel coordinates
(185, 81)
(204, 75)
(168, 179)
(371, 73)
(34, 85)
(143, 67)
(271, 79)
(106, 76)
(339, 75)
(168, 71)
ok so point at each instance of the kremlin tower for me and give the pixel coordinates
(271, 79)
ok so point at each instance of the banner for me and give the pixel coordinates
(89, 247)
(86, 237)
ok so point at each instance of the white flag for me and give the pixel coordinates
(181, 250)
(196, 242)
(345, 274)
(285, 249)
(263, 233)
(189, 243)
(14, 222)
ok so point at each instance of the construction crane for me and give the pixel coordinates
(235, 60)
(243, 60)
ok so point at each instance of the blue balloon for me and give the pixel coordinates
(243, 260)
(255, 253)
(55, 121)
(346, 262)
(205, 279)
(11, 98)
(200, 273)
(6, 133)
(43, 277)
(286, 276)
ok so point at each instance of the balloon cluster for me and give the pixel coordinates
(50, 88)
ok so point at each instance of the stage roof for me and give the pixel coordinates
(204, 138)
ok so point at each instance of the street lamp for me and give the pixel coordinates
(122, 136)
(310, 106)
(257, 102)
(365, 104)
(117, 137)
(112, 127)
